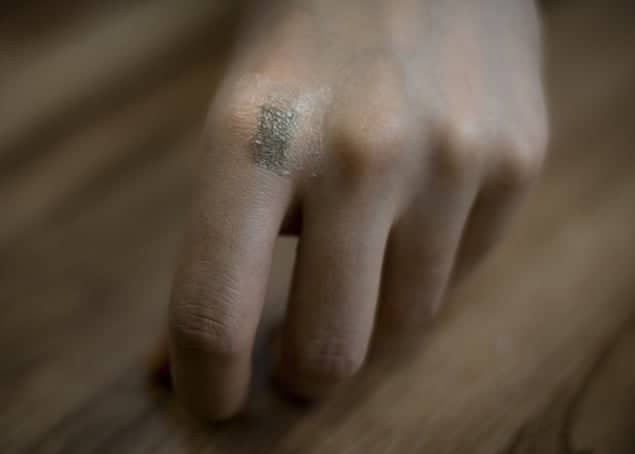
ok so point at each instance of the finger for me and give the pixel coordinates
(219, 288)
(421, 252)
(334, 296)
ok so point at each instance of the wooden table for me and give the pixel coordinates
(100, 106)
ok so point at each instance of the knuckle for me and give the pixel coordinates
(235, 109)
(521, 162)
(468, 147)
(195, 327)
(204, 319)
(329, 361)
(267, 118)
(233, 114)
(462, 151)
(369, 144)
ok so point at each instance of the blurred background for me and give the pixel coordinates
(100, 108)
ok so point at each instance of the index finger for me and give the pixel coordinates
(220, 285)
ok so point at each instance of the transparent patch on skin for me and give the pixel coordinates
(275, 131)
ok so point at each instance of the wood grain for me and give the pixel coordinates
(534, 353)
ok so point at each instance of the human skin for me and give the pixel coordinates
(395, 138)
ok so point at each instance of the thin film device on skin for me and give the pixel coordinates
(275, 131)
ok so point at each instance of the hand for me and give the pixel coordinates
(396, 138)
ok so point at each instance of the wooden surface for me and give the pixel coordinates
(100, 108)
